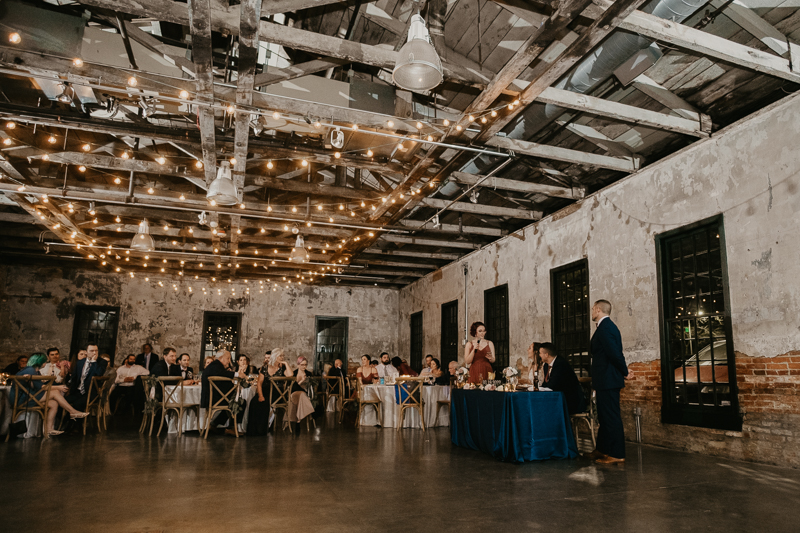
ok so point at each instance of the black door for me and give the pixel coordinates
(416, 341)
(95, 325)
(449, 333)
(495, 303)
(331, 340)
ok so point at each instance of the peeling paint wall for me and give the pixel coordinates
(37, 309)
(749, 172)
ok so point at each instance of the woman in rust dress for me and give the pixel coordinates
(479, 354)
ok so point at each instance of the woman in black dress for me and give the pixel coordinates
(258, 418)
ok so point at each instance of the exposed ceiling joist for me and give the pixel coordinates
(574, 193)
(248, 58)
(556, 153)
(200, 23)
(276, 75)
(482, 209)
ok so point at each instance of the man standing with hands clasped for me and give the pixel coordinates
(609, 373)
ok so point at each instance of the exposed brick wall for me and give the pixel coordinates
(769, 401)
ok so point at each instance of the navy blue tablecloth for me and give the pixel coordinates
(512, 426)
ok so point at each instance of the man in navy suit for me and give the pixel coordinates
(609, 372)
(147, 358)
(559, 376)
(85, 370)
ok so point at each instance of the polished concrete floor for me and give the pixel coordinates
(344, 479)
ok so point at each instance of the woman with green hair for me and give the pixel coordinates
(56, 400)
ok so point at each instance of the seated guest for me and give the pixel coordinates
(16, 366)
(366, 372)
(81, 379)
(55, 366)
(127, 385)
(168, 366)
(186, 370)
(265, 364)
(374, 364)
(244, 363)
(219, 368)
(75, 358)
(440, 376)
(56, 400)
(403, 367)
(426, 366)
(338, 370)
(452, 368)
(147, 358)
(208, 360)
(536, 362)
(110, 370)
(299, 404)
(258, 421)
(385, 368)
(559, 376)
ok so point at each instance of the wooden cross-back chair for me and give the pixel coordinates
(219, 401)
(362, 403)
(172, 400)
(444, 403)
(279, 390)
(148, 392)
(409, 396)
(334, 388)
(352, 381)
(589, 416)
(96, 399)
(31, 401)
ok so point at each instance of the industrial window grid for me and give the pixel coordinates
(331, 340)
(496, 319)
(698, 367)
(220, 332)
(449, 347)
(570, 312)
(416, 340)
(95, 325)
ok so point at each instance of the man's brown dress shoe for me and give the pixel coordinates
(594, 455)
(230, 431)
(608, 460)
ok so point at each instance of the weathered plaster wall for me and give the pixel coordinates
(37, 307)
(749, 172)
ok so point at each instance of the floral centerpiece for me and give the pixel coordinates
(512, 377)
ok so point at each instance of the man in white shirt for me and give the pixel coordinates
(385, 367)
(55, 366)
(127, 385)
(426, 366)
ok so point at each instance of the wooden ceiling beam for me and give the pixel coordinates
(556, 153)
(481, 209)
(248, 59)
(199, 13)
(525, 187)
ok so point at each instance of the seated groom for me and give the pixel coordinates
(85, 370)
(219, 368)
(559, 376)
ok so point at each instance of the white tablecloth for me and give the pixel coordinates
(32, 420)
(391, 411)
(191, 396)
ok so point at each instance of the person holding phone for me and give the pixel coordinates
(479, 354)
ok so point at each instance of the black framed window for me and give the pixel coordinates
(416, 340)
(95, 325)
(697, 359)
(331, 340)
(569, 286)
(220, 332)
(449, 348)
(495, 312)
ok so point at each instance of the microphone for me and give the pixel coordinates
(479, 342)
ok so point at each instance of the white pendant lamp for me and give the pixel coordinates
(143, 242)
(418, 65)
(222, 190)
(299, 253)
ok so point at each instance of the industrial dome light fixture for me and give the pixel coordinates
(143, 242)
(299, 253)
(418, 66)
(67, 93)
(222, 190)
(337, 138)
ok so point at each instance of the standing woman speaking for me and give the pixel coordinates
(479, 354)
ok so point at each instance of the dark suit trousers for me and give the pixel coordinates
(77, 400)
(611, 435)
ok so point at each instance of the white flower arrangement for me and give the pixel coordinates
(510, 372)
(462, 371)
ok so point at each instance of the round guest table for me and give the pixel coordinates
(513, 426)
(391, 411)
(191, 396)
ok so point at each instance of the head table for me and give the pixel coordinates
(512, 426)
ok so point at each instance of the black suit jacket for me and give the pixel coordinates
(215, 368)
(97, 369)
(160, 370)
(608, 362)
(342, 373)
(563, 379)
(189, 372)
(153, 360)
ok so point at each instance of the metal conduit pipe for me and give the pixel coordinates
(598, 66)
